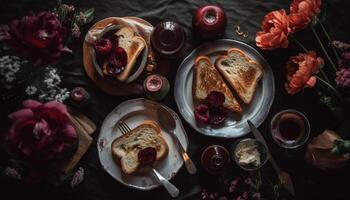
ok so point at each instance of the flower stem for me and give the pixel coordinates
(328, 38)
(301, 46)
(330, 87)
(325, 75)
(323, 48)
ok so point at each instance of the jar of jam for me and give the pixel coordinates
(215, 159)
(168, 38)
(79, 97)
(156, 87)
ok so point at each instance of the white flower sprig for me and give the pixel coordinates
(48, 89)
(9, 66)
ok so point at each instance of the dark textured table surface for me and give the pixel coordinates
(309, 182)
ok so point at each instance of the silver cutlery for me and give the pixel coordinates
(172, 189)
(168, 123)
(283, 176)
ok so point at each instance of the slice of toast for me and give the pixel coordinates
(133, 45)
(126, 147)
(241, 72)
(207, 79)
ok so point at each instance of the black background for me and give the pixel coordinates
(309, 182)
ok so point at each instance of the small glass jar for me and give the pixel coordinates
(215, 159)
(168, 39)
(156, 87)
(290, 129)
(79, 97)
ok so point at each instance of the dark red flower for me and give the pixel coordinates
(217, 115)
(215, 99)
(41, 132)
(103, 46)
(201, 113)
(117, 61)
(39, 37)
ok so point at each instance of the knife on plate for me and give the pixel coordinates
(283, 176)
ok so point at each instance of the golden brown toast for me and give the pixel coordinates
(126, 147)
(133, 45)
(207, 79)
(241, 72)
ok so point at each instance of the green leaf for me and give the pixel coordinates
(89, 14)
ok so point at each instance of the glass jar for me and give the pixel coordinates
(156, 87)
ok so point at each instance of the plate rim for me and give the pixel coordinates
(191, 54)
(158, 104)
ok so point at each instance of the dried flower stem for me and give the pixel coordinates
(301, 46)
(328, 38)
(330, 87)
(323, 48)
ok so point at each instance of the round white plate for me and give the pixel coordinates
(133, 113)
(256, 112)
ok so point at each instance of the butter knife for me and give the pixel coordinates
(283, 177)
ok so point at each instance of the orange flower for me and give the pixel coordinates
(302, 13)
(275, 31)
(301, 70)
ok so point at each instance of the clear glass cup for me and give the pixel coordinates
(290, 129)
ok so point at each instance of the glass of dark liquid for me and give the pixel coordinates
(290, 129)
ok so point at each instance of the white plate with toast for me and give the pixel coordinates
(253, 104)
(134, 113)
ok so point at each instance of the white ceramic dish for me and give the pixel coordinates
(256, 112)
(134, 112)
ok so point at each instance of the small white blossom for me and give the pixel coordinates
(12, 173)
(76, 30)
(62, 95)
(31, 90)
(10, 77)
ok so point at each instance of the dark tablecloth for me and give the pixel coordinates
(309, 182)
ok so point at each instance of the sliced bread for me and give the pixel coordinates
(241, 72)
(207, 79)
(126, 147)
(133, 45)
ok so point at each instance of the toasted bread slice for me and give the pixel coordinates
(241, 72)
(133, 45)
(127, 147)
(207, 79)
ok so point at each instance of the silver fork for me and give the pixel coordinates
(172, 189)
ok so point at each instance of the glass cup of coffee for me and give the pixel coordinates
(290, 129)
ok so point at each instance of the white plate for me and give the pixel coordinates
(256, 112)
(135, 112)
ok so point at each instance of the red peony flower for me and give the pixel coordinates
(39, 37)
(301, 70)
(41, 132)
(302, 13)
(275, 31)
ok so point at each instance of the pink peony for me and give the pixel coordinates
(39, 37)
(41, 132)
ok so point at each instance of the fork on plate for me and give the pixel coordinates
(172, 189)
